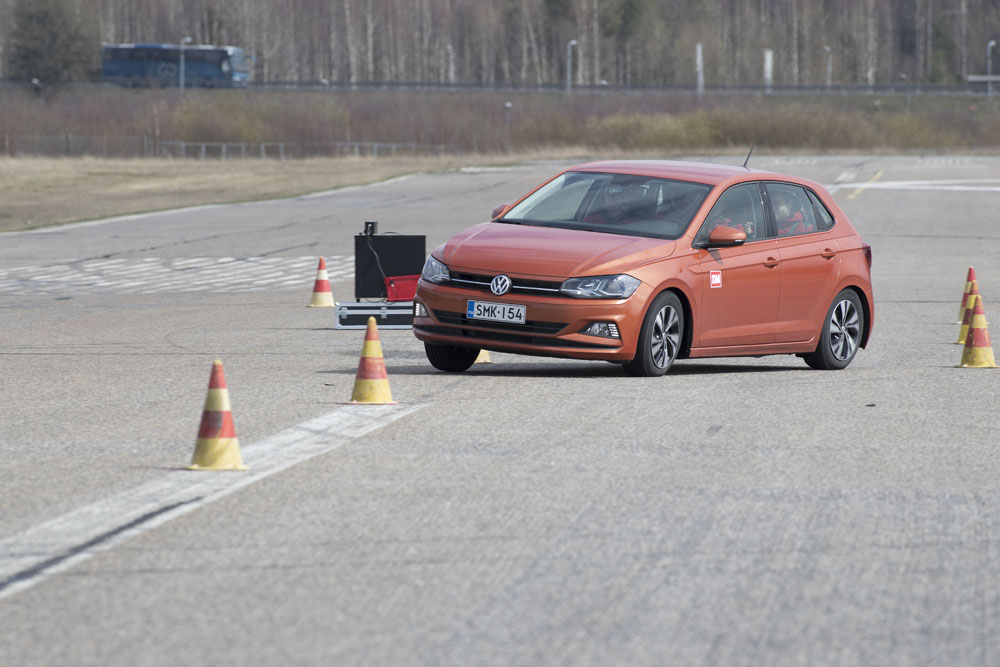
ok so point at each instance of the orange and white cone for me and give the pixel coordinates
(483, 358)
(967, 316)
(970, 277)
(322, 294)
(978, 352)
(217, 447)
(371, 385)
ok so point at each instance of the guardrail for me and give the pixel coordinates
(974, 85)
(75, 145)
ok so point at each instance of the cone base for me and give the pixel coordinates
(217, 454)
(371, 403)
(198, 467)
(322, 303)
(979, 362)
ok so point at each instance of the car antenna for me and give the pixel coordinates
(745, 162)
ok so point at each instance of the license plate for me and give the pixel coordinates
(495, 312)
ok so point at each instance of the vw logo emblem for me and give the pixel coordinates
(500, 285)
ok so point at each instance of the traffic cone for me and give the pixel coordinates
(967, 316)
(371, 385)
(963, 332)
(969, 278)
(217, 447)
(978, 352)
(483, 358)
(322, 295)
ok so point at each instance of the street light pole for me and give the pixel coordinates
(507, 106)
(829, 66)
(569, 64)
(184, 42)
(989, 68)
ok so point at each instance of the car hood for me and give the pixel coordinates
(493, 247)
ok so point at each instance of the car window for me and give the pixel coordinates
(825, 219)
(628, 204)
(793, 212)
(559, 201)
(739, 207)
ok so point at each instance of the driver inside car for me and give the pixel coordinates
(730, 216)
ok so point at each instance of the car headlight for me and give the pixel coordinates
(620, 286)
(435, 272)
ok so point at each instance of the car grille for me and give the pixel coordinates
(529, 327)
(481, 283)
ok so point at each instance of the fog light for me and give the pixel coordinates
(602, 329)
(419, 310)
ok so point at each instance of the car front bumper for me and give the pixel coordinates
(552, 323)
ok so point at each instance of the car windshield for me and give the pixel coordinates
(612, 203)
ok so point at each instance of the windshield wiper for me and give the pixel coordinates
(508, 221)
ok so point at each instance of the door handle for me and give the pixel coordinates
(770, 262)
(827, 253)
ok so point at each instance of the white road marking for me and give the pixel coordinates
(959, 185)
(150, 275)
(55, 546)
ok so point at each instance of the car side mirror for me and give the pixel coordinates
(499, 210)
(725, 237)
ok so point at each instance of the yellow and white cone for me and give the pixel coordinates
(322, 296)
(371, 385)
(217, 447)
(483, 358)
(978, 352)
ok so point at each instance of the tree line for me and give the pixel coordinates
(523, 42)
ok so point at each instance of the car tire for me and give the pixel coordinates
(451, 358)
(840, 336)
(660, 338)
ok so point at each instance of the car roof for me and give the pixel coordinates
(700, 172)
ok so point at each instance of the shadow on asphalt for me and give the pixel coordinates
(581, 371)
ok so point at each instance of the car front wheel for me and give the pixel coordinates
(660, 338)
(451, 358)
(840, 336)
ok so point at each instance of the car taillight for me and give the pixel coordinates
(867, 249)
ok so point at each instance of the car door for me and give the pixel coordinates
(739, 285)
(810, 260)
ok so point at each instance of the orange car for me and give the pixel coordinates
(645, 262)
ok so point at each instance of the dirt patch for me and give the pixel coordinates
(39, 192)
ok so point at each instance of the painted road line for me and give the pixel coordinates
(961, 185)
(864, 186)
(55, 546)
(152, 274)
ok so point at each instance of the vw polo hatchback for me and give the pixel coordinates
(645, 262)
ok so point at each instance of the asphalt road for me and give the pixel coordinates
(527, 512)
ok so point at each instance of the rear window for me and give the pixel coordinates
(612, 203)
(825, 219)
(791, 208)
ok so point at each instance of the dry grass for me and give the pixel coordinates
(38, 192)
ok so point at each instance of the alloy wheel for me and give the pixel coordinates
(845, 330)
(666, 337)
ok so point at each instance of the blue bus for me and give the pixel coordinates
(160, 65)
